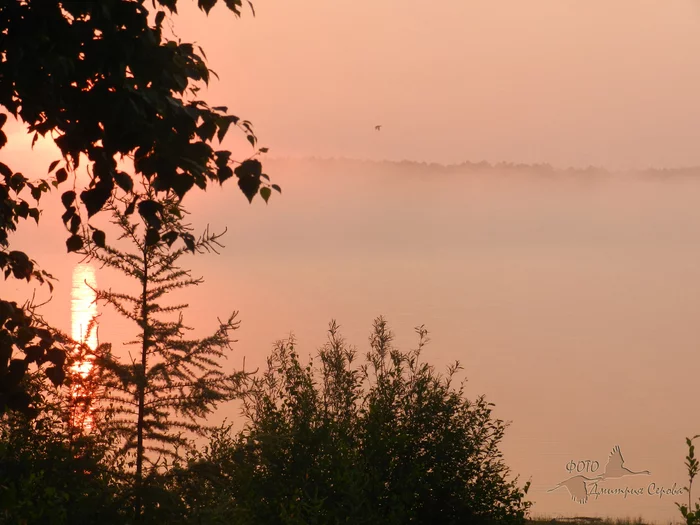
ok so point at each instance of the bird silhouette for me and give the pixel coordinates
(378, 128)
(577, 487)
(615, 469)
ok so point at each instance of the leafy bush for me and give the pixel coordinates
(50, 476)
(390, 441)
(333, 441)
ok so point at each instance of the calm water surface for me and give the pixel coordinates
(570, 300)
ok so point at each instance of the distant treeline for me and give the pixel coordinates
(507, 168)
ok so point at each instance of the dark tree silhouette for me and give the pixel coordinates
(157, 400)
(105, 83)
(390, 441)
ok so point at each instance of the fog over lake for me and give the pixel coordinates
(570, 298)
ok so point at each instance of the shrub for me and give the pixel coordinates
(390, 441)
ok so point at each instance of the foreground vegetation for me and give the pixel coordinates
(388, 441)
(337, 438)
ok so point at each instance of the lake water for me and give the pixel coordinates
(571, 300)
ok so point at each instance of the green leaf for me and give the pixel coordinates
(251, 139)
(249, 168)
(170, 237)
(181, 184)
(22, 209)
(224, 173)
(223, 123)
(131, 207)
(235, 6)
(222, 158)
(189, 241)
(53, 165)
(207, 130)
(56, 356)
(95, 198)
(17, 182)
(248, 173)
(61, 175)
(149, 209)
(74, 224)
(206, 5)
(265, 193)
(74, 243)
(34, 214)
(249, 186)
(68, 198)
(36, 192)
(68, 214)
(22, 266)
(33, 353)
(123, 180)
(56, 374)
(276, 188)
(152, 237)
(17, 369)
(98, 237)
(159, 18)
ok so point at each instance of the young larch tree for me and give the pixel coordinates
(156, 401)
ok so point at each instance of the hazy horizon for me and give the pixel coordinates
(547, 289)
(570, 83)
(480, 164)
(570, 296)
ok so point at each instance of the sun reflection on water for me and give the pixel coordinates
(83, 306)
(83, 311)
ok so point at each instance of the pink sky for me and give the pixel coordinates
(568, 82)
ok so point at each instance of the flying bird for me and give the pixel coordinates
(378, 128)
(615, 468)
(577, 487)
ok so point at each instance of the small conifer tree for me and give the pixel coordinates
(155, 402)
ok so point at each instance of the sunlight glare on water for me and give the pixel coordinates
(83, 311)
(83, 306)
